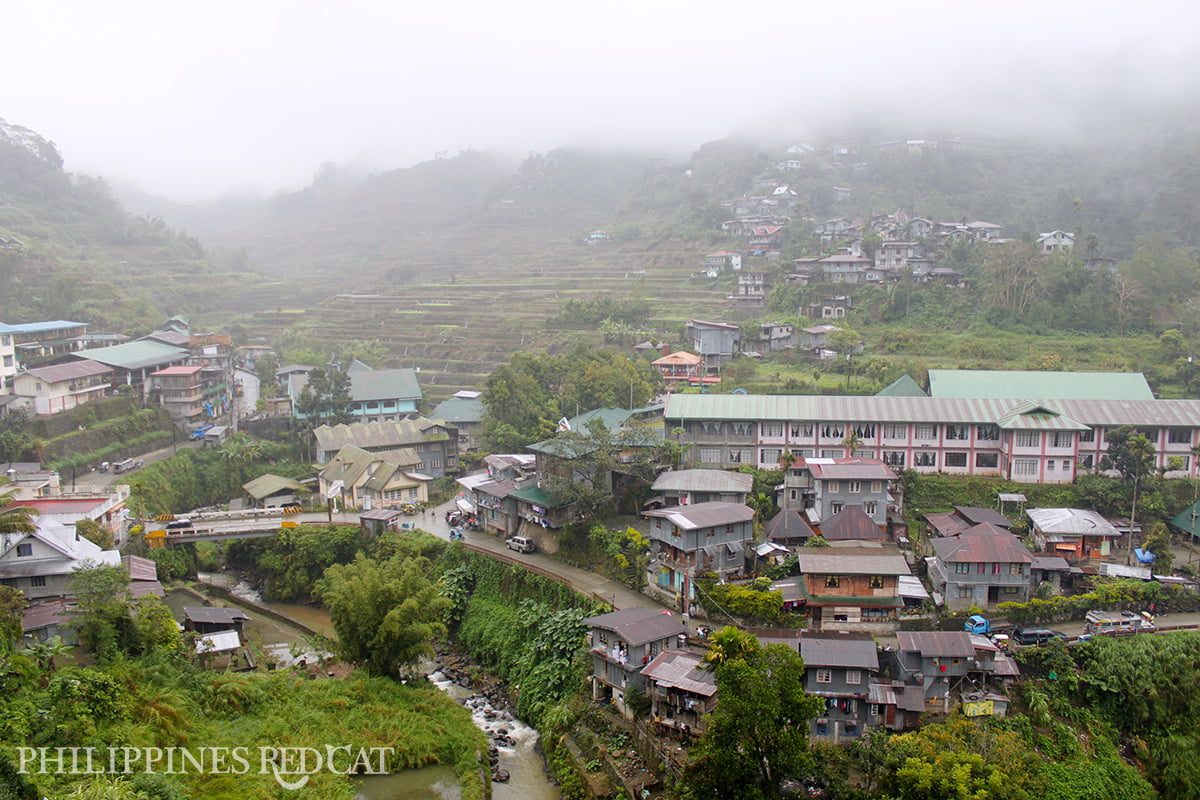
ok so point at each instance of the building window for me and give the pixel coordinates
(833, 430)
(853, 677)
(793, 494)
(962, 568)
(870, 507)
(875, 709)
(741, 428)
(739, 455)
(1028, 438)
(966, 592)
(1086, 461)
(996, 568)
(894, 431)
(833, 487)
(37, 580)
(824, 676)
(1062, 439)
(854, 486)
(1050, 465)
(987, 460)
(800, 429)
(851, 729)
(1179, 435)
(804, 452)
(893, 458)
(771, 455)
(822, 729)
(1016, 569)
(924, 432)
(836, 508)
(772, 429)
(711, 428)
(924, 458)
(1087, 436)
(956, 459)
(863, 454)
(832, 453)
(1025, 466)
(832, 581)
(987, 433)
(710, 455)
(875, 581)
(864, 430)
(956, 432)
(25, 549)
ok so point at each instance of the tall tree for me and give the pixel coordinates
(1132, 455)
(758, 734)
(385, 613)
(326, 396)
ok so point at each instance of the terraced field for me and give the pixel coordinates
(464, 319)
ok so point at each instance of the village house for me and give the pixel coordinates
(827, 486)
(188, 394)
(1076, 534)
(895, 256)
(944, 664)
(716, 342)
(622, 643)
(689, 487)
(464, 412)
(682, 692)
(36, 342)
(725, 259)
(773, 337)
(688, 540)
(213, 619)
(434, 442)
(1055, 242)
(132, 362)
(361, 479)
(680, 367)
(752, 289)
(63, 386)
(982, 566)
(275, 491)
(41, 563)
(828, 308)
(840, 670)
(852, 589)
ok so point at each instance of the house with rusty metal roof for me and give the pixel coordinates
(681, 692)
(62, 386)
(850, 524)
(944, 663)
(789, 528)
(1024, 440)
(852, 589)
(357, 478)
(982, 566)
(622, 643)
(688, 540)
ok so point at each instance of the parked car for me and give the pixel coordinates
(1029, 636)
(522, 544)
(124, 465)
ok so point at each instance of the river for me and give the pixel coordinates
(517, 748)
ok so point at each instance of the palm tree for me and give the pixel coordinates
(14, 517)
(728, 644)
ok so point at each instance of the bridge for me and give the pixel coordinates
(212, 526)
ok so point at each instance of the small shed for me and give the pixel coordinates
(215, 435)
(213, 619)
(222, 642)
(273, 491)
(378, 520)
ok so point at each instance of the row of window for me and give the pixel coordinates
(835, 581)
(853, 677)
(869, 507)
(926, 432)
(996, 568)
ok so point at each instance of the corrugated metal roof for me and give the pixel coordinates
(936, 644)
(818, 651)
(704, 515)
(639, 625)
(680, 669)
(788, 525)
(844, 469)
(268, 484)
(459, 409)
(379, 434)
(904, 386)
(72, 370)
(218, 642)
(43, 327)
(140, 569)
(1071, 522)
(817, 408)
(214, 615)
(852, 563)
(703, 480)
(851, 523)
(998, 547)
(134, 355)
(1017, 384)
(384, 384)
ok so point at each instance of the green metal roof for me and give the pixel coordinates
(1020, 384)
(268, 484)
(458, 409)
(384, 384)
(135, 355)
(1188, 520)
(904, 386)
(538, 496)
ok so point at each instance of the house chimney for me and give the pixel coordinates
(666, 351)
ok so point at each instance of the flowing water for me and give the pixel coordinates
(516, 746)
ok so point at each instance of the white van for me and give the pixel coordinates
(522, 544)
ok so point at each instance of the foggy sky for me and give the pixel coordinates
(194, 100)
